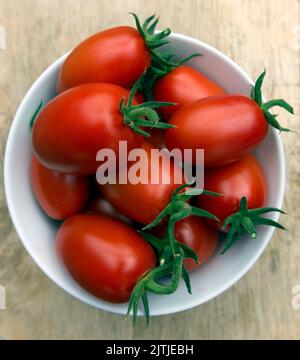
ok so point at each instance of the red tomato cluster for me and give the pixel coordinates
(118, 240)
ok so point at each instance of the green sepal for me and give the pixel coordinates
(155, 242)
(142, 115)
(164, 248)
(245, 221)
(178, 208)
(147, 30)
(171, 253)
(35, 114)
(186, 279)
(161, 65)
(188, 252)
(256, 95)
(150, 282)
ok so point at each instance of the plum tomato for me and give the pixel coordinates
(75, 125)
(105, 256)
(118, 55)
(59, 195)
(142, 202)
(243, 178)
(226, 127)
(183, 85)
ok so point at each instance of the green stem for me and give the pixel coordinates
(179, 208)
(171, 253)
(35, 114)
(149, 283)
(256, 95)
(147, 30)
(245, 221)
(142, 115)
(161, 65)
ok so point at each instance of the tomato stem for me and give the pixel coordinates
(256, 95)
(35, 114)
(142, 115)
(161, 65)
(245, 221)
(178, 208)
(171, 253)
(150, 282)
(147, 30)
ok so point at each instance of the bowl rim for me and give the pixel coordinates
(195, 301)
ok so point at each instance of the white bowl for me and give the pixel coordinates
(37, 232)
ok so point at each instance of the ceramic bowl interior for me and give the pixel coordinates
(37, 232)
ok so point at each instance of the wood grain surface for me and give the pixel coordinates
(254, 33)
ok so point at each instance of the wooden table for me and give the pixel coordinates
(254, 33)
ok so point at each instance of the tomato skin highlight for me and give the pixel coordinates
(199, 236)
(75, 125)
(183, 86)
(242, 178)
(227, 127)
(117, 56)
(105, 256)
(59, 195)
(143, 202)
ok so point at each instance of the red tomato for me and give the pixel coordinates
(199, 236)
(59, 195)
(117, 56)
(183, 86)
(143, 202)
(242, 178)
(105, 256)
(227, 127)
(70, 130)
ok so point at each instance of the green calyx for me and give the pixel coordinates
(256, 95)
(143, 115)
(170, 252)
(169, 265)
(165, 254)
(151, 282)
(179, 208)
(161, 65)
(35, 114)
(147, 30)
(245, 221)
